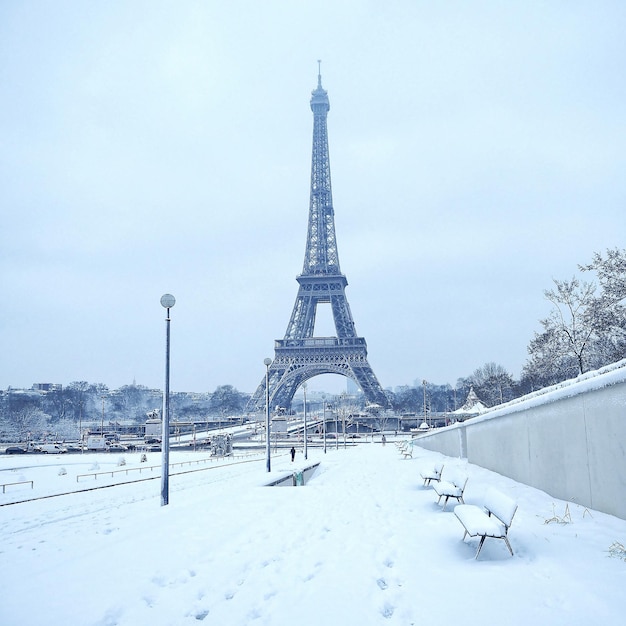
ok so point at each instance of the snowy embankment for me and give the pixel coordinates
(596, 379)
(363, 543)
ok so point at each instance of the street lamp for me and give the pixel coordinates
(343, 417)
(80, 428)
(167, 302)
(268, 463)
(102, 419)
(324, 420)
(305, 442)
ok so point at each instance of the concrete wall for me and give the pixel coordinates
(444, 440)
(569, 440)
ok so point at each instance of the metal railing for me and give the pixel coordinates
(139, 469)
(22, 482)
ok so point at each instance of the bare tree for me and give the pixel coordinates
(27, 421)
(492, 383)
(572, 317)
(609, 308)
(584, 330)
(611, 272)
(77, 393)
(550, 361)
(556, 352)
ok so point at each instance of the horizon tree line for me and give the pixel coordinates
(585, 329)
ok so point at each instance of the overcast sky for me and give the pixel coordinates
(478, 150)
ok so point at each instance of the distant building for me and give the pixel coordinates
(47, 387)
(352, 389)
(473, 406)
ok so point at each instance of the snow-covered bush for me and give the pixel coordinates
(617, 550)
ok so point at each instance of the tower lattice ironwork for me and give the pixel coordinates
(301, 355)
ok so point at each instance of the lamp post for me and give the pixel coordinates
(102, 419)
(343, 417)
(268, 463)
(306, 456)
(167, 302)
(324, 424)
(80, 428)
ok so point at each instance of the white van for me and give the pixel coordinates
(97, 442)
(52, 448)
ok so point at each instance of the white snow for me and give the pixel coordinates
(364, 542)
(596, 379)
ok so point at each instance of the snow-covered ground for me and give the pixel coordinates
(364, 542)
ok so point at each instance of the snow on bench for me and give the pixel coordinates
(432, 474)
(451, 488)
(407, 450)
(493, 520)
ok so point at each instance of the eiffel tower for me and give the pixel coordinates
(301, 355)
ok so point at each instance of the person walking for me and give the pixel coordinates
(293, 453)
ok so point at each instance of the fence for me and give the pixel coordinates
(22, 482)
(151, 468)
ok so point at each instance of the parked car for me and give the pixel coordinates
(53, 448)
(116, 447)
(15, 450)
(154, 448)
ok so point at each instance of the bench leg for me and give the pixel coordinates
(480, 546)
(508, 545)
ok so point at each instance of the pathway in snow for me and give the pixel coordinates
(363, 543)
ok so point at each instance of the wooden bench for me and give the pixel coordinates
(492, 520)
(407, 450)
(432, 474)
(451, 488)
